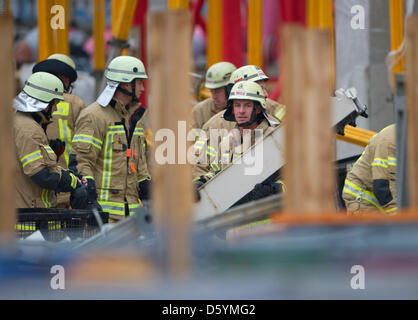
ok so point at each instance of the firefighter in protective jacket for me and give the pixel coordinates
(61, 130)
(38, 176)
(371, 184)
(107, 148)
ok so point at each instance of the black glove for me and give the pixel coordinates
(92, 195)
(79, 197)
(144, 189)
(68, 182)
(265, 189)
(58, 146)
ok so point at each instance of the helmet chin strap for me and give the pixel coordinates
(127, 93)
(252, 119)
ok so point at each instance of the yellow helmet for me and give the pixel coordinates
(218, 75)
(124, 69)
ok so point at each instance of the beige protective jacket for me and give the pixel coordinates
(103, 153)
(202, 112)
(33, 154)
(273, 108)
(215, 155)
(62, 127)
(377, 162)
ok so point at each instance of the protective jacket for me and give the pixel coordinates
(106, 150)
(273, 108)
(371, 185)
(203, 111)
(33, 154)
(63, 124)
(62, 128)
(213, 156)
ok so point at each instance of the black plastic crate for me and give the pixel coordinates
(56, 224)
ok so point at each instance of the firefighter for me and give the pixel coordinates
(250, 73)
(107, 149)
(217, 78)
(38, 176)
(60, 132)
(370, 185)
(247, 110)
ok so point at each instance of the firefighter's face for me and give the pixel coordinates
(219, 96)
(243, 110)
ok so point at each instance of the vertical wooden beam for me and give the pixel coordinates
(178, 4)
(411, 72)
(45, 37)
(309, 172)
(99, 59)
(60, 36)
(172, 192)
(8, 155)
(255, 33)
(396, 11)
(214, 32)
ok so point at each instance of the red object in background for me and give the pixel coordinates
(290, 11)
(232, 44)
(196, 8)
(140, 19)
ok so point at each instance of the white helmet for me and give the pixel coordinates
(40, 89)
(218, 75)
(122, 69)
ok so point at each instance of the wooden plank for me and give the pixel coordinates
(411, 73)
(45, 37)
(8, 156)
(172, 191)
(255, 33)
(309, 173)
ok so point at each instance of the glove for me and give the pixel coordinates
(198, 183)
(265, 189)
(68, 182)
(58, 146)
(79, 197)
(144, 189)
(92, 195)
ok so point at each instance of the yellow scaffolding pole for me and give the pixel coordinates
(178, 4)
(320, 15)
(396, 13)
(60, 36)
(123, 20)
(115, 12)
(255, 33)
(214, 32)
(99, 59)
(45, 37)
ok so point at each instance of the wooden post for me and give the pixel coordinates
(309, 172)
(214, 32)
(8, 155)
(61, 44)
(411, 72)
(45, 37)
(255, 33)
(172, 192)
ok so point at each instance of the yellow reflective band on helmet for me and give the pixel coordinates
(63, 109)
(30, 158)
(88, 139)
(65, 135)
(113, 207)
(44, 198)
(107, 163)
(281, 113)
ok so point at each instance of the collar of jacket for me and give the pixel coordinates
(214, 109)
(120, 109)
